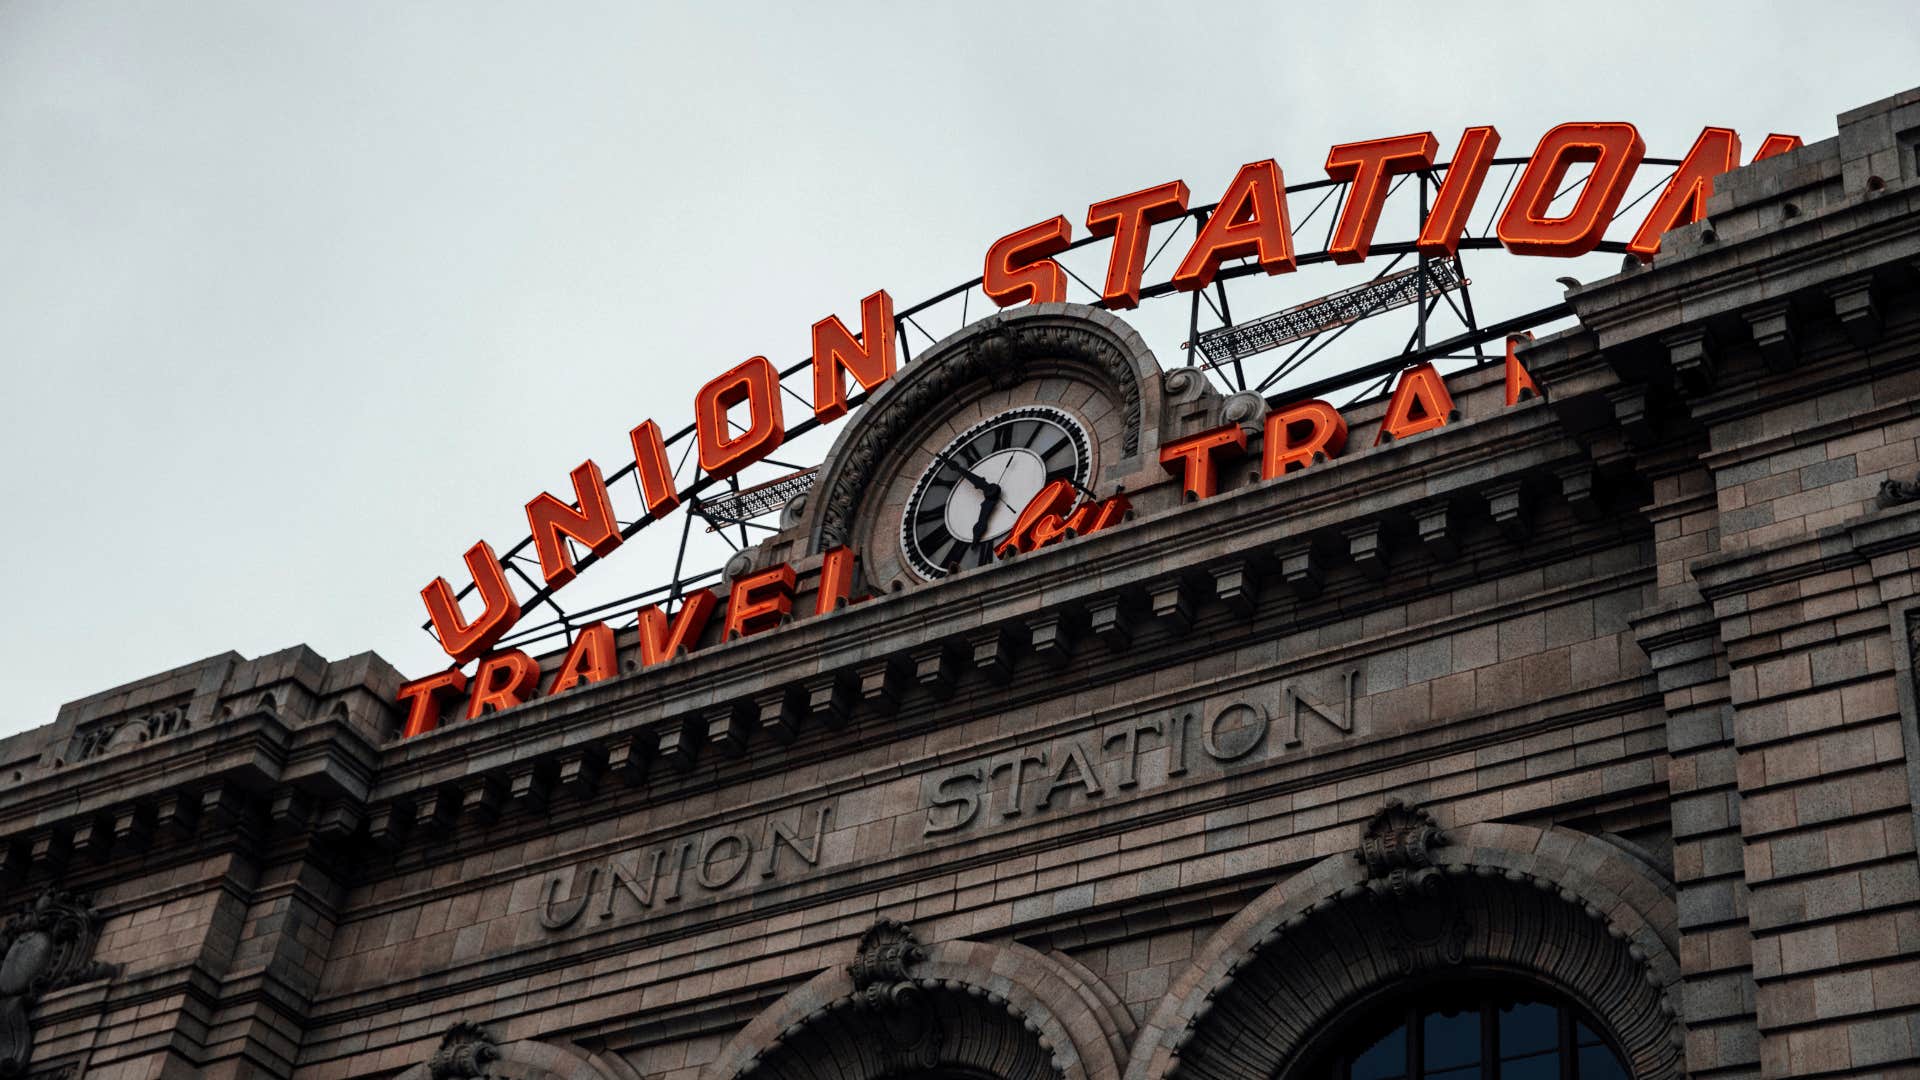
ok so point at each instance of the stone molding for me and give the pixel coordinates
(1578, 914)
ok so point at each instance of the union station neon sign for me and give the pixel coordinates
(1249, 221)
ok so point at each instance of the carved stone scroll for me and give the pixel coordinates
(46, 946)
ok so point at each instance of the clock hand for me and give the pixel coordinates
(987, 506)
(972, 478)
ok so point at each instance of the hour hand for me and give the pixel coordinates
(986, 511)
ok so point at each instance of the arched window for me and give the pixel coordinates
(1470, 1031)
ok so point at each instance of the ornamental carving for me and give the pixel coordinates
(999, 354)
(46, 946)
(1913, 647)
(1895, 492)
(1184, 385)
(1397, 850)
(883, 982)
(1398, 853)
(465, 1052)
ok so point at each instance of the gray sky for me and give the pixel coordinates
(296, 302)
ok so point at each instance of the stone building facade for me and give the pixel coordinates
(1577, 733)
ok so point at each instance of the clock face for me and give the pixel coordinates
(967, 500)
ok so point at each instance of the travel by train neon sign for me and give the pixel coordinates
(1250, 221)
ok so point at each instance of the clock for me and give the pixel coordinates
(967, 500)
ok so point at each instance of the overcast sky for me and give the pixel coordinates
(298, 301)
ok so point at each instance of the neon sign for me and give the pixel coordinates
(739, 420)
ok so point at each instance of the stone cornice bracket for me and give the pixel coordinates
(1775, 326)
(1695, 359)
(1857, 307)
(465, 1052)
(1397, 850)
(43, 947)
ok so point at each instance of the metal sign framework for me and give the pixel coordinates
(1223, 350)
(1365, 300)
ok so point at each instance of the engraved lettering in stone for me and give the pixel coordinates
(1295, 700)
(680, 851)
(1076, 761)
(732, 851)
(778, 834)
(641, 887)
(1244, 727)
(1128, 735)
(718, 861)
(1249, 726)
(1017, 766)
(967, 803)
(1177, 742)
(563, 917)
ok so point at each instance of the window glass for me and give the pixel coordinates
(1527, 1028)
(1450, 1044)
(1473, 1030)
(1384, 1060)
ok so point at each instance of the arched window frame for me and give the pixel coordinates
(1364, 1024)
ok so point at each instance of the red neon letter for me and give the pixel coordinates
(590, 660)
(1366, 166)
(592, 524)
(1110, 513)
(1250, 220)
(1420, 403)
(659, 643)
(1440, 235)
(463, 640)
(423, 700)
(755, 382)
(503, 680)
(1193, 458)
(870, 360)
(1520, 383)
(1050, 503)
(1129, 219)
(759, 601)
(1020, 267)
(1614, 149)
(1775, 144)
(1301, 435)
(1684, 201)
(656, 478)
(836, 581)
